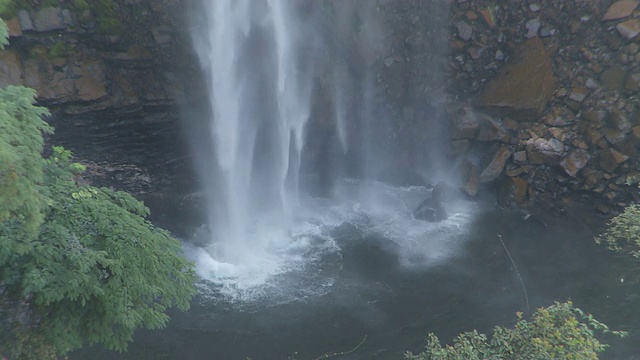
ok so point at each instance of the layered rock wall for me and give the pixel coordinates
(557, 84)
(114, 54)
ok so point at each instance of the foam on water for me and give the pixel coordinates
(304, 260)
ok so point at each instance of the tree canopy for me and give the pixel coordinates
(78, 264)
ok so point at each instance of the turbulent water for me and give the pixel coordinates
(265, 238)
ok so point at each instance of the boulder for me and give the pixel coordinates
(495, 167)
(14, 27)
(609, 159)
(620, 9)
(471, 184)
(560, 116)
(10, 69)
(613, 78)
(629, 29)
(49, 19)
(522, 88)
(26, 24)
(574, 162)
(432, 208)
(545, 152)
(492, 130)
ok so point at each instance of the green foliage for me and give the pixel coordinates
(107, 16)
(21, 171)
(4, 33)
(8, 9)
(623, 233)
(557, 332)
(59, 49)
(79, 6)
(78, 264)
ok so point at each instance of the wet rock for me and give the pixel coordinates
(465, 31)
(90, 85)
(520, 186)
(614, 137)
(487, 15)
(471, 184)
(620, 121)
(514, 170)
(459, 147)
(69, 18)
(14, 27)
(543, 151)
(560, 117)
(432, 208)
(620, 9)
(499, 55)
(492, 130)
(513, 191)
(547, 31)
(578, 94)
(613, 78)
(51, 85)
(633, 83)
(520, 156)
(465, 124)
(595, 116)
(618, 156)
(49, 19)
(522, 88)
(609, 159)
(532, 27)
(629, 29)
(10, 69)
(495, 167)
(574, 162)
(26, 24)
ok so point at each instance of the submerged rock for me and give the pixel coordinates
(432, 208)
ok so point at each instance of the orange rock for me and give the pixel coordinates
(620, 9)
(14, 27)
(629, 29)
(487, 15)
(522, 88)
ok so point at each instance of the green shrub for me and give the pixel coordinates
(623, 232)
(557, 332)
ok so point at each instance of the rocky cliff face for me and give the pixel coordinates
(108, 74)
(80, 59)
(555, 83)
(542, 96)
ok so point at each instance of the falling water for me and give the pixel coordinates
(259, 72)
(272, 66)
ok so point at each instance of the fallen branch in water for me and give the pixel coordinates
(325, 356)
(524, 289)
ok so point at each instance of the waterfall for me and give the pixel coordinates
(259, 86)
(319, 89)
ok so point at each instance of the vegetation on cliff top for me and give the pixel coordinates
(105, 13)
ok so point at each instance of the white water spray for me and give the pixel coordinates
(263, 61)
(259, 88)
